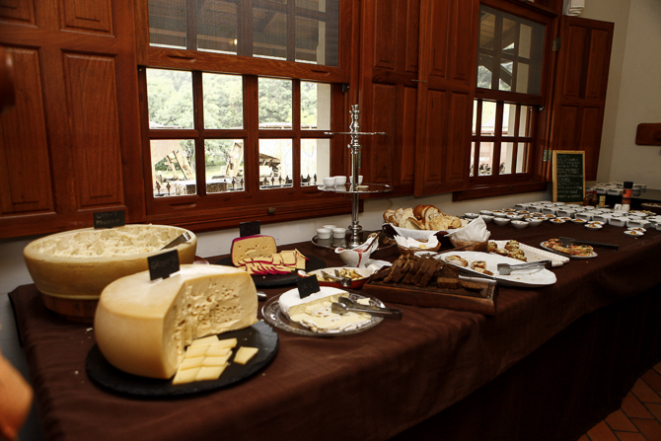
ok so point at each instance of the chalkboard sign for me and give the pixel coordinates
(568, 176)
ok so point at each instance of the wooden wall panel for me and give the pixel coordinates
(462, 55)
(436, 139)
(574, 47)
(439, 38)
(596, 83)
(385, 35)
(17, 10)
(85, 15)
(24, 161)
(591, 126)
(567, 128)
(383, 120)
(407, 108)
(412, 36)
(92, 102)
(456, 161)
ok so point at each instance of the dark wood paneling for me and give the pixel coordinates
(412, 36)
(85, 15)
(385, 34)
(458, 153)
(591, 126)
(574, 45)
(17, 10)
(92, 101)
(406, 167)
(439, 28)
(597, 81)
(436, 141)
(383, 118)
(463, 23)
(24, 161)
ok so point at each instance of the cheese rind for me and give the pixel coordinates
(143, 326)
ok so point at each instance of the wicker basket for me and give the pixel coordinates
(468, 246)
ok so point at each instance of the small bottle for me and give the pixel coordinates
(588, 197)
(626, 193)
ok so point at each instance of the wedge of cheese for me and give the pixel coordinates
(143, 326)
(252, 247)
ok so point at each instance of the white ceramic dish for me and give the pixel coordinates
(535, 254)
(355, 283)
(515, 216)
(534, 222)
(487, 218)
(519, 225)
(579, 221)
(633, 233)
(617, 221)
(471, 215)
(533, 278)
(640, 230)
(556, 221)
(594, 226)
(501, 221)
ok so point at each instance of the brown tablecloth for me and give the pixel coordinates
(371, 385)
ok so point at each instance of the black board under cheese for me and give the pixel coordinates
(568, 176)
(164, 264)
(307, 286)
(109, 219)
(252, 228)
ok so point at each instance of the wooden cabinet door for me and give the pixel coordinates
(445, 95)
(579, 96)
(388, 90)
(71, 144)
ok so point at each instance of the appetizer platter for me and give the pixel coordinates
(338, 277)
(260, 335)
(523, 252)
(573, 251)
(486, 265)
(278, 311)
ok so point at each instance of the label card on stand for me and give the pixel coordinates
(163, 265)
(109, 219)
(252, 228)
(307, 285)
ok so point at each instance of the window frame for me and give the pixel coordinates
(202, 210)
(534, 179)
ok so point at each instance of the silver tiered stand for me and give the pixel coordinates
(353, 188)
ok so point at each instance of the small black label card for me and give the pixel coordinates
(162, 265)
(307, 285)
(249, 228)
(109, 219)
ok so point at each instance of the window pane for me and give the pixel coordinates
(315, 161)
(509, 119)
(484, 71)
(275, 104)
(224, 165)
(315, 106)
(170, 95)
(217, 26)
(167, 23)
(521, 157)
(317, 30)
(488, 118)
(506, 152)
(173, 167)
(508, 36)
(487, 29)
(472, 169)
(525, 121)
(486, 159)
(474, 124)
(505, 75)
(223, 101)
(270, 30)
(275, 163)
(525, 40)
(522, 77)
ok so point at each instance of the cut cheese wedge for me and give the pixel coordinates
(244, 354)
(143, 326)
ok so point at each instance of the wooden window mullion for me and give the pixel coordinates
(198, 123)
(251, 124)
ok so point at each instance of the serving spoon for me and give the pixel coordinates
(347, 305)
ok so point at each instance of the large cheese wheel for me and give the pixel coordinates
(143, 326)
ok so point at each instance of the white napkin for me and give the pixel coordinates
(475, 231)
(409, 242)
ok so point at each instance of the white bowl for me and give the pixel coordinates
(515, 216)
(486, 218)
(323, 233)
(471, 215)
(329, 182)
(519, 225)
(486, 212)
(339, 233)
(534, 222)
(499, 213)
(501, 221)
(556, 221)
(340, 180)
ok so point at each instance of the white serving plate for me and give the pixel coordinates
(535, 254)
(567, 255)
(529, 279)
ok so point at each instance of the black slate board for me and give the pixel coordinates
(273, 280)
(568, 176)
(260, 335)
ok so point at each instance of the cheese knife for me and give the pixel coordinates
(569, 241)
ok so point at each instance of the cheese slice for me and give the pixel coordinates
(143, 326)
(244, 354)
(250, 247)
(185, 376)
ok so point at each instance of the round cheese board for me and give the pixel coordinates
(260, 335)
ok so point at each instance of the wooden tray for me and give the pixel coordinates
(481, 302)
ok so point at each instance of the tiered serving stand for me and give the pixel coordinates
(353, 187)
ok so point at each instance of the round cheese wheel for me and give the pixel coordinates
(142, 326)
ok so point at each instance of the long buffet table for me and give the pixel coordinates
(552, 362)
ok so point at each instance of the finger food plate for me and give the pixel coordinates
(527, 278)
(275, 317)
(358, 276)
(571, 256)
(535, 254)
